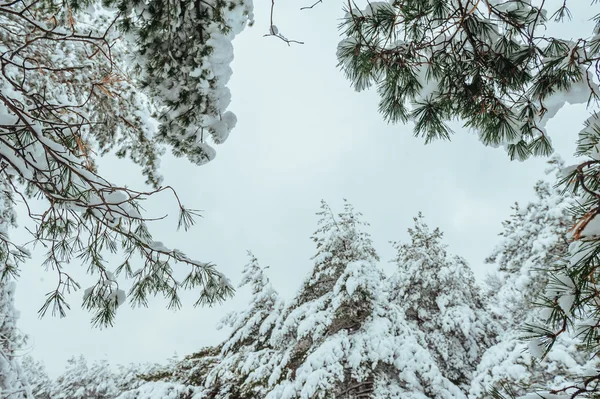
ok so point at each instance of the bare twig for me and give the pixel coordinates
(274, 32)
(312, 6)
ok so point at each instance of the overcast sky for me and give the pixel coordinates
(302, 135)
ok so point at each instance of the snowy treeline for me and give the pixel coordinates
(82, 380)
(427, 331)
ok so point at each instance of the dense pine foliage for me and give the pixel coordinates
(80, 79)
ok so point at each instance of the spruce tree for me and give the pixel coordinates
(533, 239)
(235, 368)
(252, 327)
(246, 356)
(150, 381)
(13, 384)
(133, 375)
(333, 303)
(438, 293)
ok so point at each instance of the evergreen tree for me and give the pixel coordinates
(492, 65)
(37, 378)
(252, 327)
(82, 78)
(231, 369)
(246, 355)
(243, 359)
(439, 294)
(80, 381)
(339, 337)
(334, 302)
(13, 384)
(533, 240)
(133, 375)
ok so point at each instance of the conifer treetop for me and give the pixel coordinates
(250, 327)
(439, 294)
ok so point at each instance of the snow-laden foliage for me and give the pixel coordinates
(316, 333)
(496, 67)
(160, 390)
(491, 64)
(438, 293)
(80, 79)
(36, 377)
(241, 358)
(518, 366)
(346, 333)
(13, 384)
(251, 327)
(133, 375)
(81, 379)
(533, 240)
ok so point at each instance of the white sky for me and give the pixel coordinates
(303, 135)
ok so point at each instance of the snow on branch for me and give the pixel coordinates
(69, 92)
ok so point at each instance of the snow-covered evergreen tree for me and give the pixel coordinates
(235, 369)
(13, 384)
(228, 370)
(339, 337)
(80, 381)
(133, 375)
(36, 377)
(333, 304)
(252, 327)
(533, 241)
(97, 380)
(438, 293)
(247, 353)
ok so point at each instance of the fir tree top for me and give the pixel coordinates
(251, 327)
(439, 294)
(339, 240)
